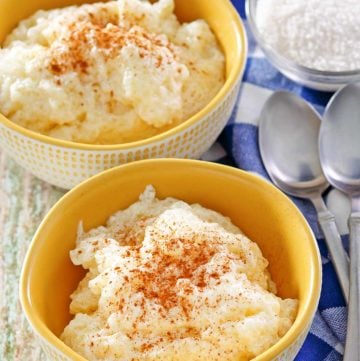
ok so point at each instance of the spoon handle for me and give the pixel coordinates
(337, 252)
(352, 347)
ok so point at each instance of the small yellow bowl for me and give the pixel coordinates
(265, 215)
(66, 164)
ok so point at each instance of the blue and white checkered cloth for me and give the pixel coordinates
(238, 146)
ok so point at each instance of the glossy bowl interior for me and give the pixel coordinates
(312, 78)
(266, 215)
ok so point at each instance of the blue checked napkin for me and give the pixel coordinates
(238, 146)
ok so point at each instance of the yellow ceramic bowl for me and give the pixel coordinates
(65, 163)
(266, 215)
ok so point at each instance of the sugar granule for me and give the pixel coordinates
(322, 35)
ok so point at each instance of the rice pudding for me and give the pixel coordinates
(171, 281)
(108, 73)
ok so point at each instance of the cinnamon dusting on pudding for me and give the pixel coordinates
(158, 279)
(172, 281)
(73, 51)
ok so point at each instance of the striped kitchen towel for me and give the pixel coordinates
(238, 146)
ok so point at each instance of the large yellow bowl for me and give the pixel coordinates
(65, 163)
(266, 215)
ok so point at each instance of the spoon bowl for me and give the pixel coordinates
(339, 141)
(288, 139)
(289, 129)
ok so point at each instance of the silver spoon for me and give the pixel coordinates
(339, 146)
(288, 139)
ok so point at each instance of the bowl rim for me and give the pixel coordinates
(298, 329)
(231, 81)
(337, 77)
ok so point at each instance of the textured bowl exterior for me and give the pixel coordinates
(66, 167)
(265, 214)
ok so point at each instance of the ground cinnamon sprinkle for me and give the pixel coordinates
(158, 279)
(73, 51)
